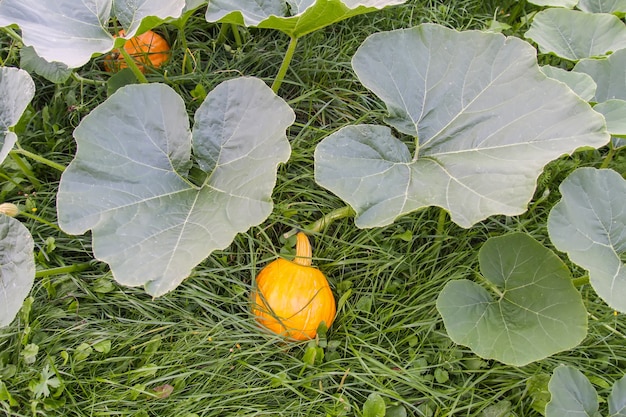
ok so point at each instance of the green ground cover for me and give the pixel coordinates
(85, 346)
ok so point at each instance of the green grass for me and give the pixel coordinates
(111, 348)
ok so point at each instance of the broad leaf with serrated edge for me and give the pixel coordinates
(484, 117)
(17, 267)
(70, 31)
(293, 17)
(17, 89)
(589, 224)
(530, 311)
(129, 180)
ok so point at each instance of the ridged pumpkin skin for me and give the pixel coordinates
(148, 49)
(292, 299)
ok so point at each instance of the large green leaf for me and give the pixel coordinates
(17, 89)
(530, 311)
(555, 3)
(293, 17)
(617, 399)
(70, 31)
(17, 267)
(589, 224)
(581, 84)
(608, 74)
(128, 182)
(56, 72)
(614, 111)
(617, 7)
(575, 35)
(572, 395)
(487, 119)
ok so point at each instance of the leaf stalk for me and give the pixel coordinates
(282, 71)
(321, 224)
(133, 66)
(63, 270)
(38, 158)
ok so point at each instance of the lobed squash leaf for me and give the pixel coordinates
(483, 119)
(617, 399)
(617, 7)
(571, 394)
(153, 216)
(580, 83)
(569, 4)
(574, 35)
(17, 89)
(530, 310)
(17, 267)
(589, 224)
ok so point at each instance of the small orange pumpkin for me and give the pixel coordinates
(148, 49)
(292, 298)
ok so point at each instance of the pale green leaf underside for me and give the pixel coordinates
(487, 119)
(127, 182)
(17, 89)
(603, 6)
(193, 4)
(614, 111)
(580, 83)
(575, 35)
(608, 73)
(70, 31)
(569, 4)
(17, 267)
(617, 399)
(589, 224)
(536, 313)
(572, 395)
(293, 17)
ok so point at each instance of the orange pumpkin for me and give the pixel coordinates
(148, 49)
(292, 298)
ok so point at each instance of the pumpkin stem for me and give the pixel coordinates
(304, 252)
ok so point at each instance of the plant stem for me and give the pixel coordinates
(133, 66)
(38, 158)
(63, 270)
(609, 157)
(87, 80)
(282, 71)
(580, 281)
(236, 35)
(221, 36)
(12, 34)
(322, 223)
